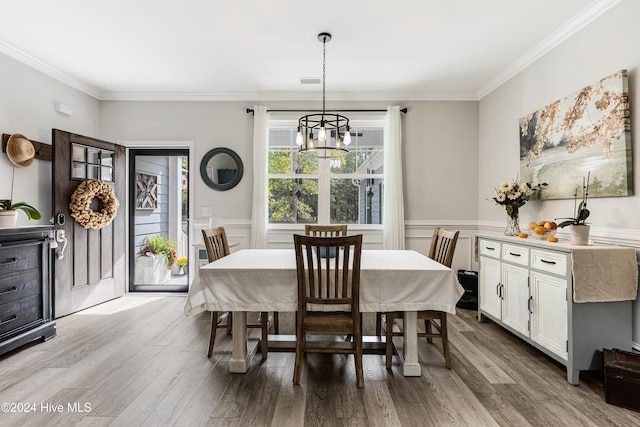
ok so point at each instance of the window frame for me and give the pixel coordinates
(324, 175)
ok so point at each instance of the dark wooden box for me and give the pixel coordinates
(622, 378)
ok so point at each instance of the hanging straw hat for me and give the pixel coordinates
(20, 150)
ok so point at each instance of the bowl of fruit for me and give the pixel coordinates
(542, 230)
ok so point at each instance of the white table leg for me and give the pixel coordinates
(239, 358)
(411, 367)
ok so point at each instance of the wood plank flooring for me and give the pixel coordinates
(138, 361)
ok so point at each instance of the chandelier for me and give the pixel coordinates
(325, 133)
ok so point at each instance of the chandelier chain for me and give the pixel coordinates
(324, 72)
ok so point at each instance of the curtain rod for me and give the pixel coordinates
(250, 110)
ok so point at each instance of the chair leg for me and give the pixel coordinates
(214, 328)
(229, 322)
(378, 324)
(445, 340)
(276, 323)
(297, 370)
(264, 327)
(358, 356)
(429, 330)
(389, 340)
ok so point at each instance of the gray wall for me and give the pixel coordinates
(27, 106)
(440, 146)
(599, 49)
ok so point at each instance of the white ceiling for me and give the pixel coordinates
(258, 50)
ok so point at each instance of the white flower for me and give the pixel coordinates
(524, 189)
(514, 195)
(500, 197)
(506, 186)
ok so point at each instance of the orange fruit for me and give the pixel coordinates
(540, 229)
(553, 239)
(523, 235)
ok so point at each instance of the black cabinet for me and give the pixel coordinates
(25, 286)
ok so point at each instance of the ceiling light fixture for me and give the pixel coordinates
(327, 126)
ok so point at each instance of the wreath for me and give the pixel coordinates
(81, 204)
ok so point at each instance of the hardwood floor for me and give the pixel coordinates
(138, 360)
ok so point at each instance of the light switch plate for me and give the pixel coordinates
(207, 211)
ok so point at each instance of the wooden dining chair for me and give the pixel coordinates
(328, 297)
(325, 230)
(443, 245)
(217, 245)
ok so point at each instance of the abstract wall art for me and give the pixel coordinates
(588, 131)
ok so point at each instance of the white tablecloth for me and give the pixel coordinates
(265, 280)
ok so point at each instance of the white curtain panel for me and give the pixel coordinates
(259, 207)
(393, 215)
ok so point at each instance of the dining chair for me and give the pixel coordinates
(443, 245)
(328, 297)
(325, 230)
(217, 245)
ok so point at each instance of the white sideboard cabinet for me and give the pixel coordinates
(526, 286)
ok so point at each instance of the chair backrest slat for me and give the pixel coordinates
(325, 230)
(443, 245)
(215, 241)
(328, 270)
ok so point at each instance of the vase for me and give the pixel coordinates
(579, 234)
(513, 227)
(8, 218)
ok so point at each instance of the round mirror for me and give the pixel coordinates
(221, 169)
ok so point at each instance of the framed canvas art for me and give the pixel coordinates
(146, 191)
(588, 131)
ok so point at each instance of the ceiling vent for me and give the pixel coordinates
(310, 80)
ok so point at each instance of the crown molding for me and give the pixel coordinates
(50, 71)
(285, 96)
(589, 14)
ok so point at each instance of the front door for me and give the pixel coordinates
(90, 269)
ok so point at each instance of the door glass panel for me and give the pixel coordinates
(161, 254)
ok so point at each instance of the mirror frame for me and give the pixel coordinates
(205, 161)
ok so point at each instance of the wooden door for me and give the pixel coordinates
(92, 269)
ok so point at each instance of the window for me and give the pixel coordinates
(91, 163)
(346, 189)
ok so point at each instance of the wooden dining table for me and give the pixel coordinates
(256, 280)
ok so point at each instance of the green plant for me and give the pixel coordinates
(581, 213)
(160, 245)
(30, 211)
(8, 205)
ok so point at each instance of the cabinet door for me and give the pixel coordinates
(549, 312)
(489, 282)
(515, 296)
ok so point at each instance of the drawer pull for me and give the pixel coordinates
(529, 305)
(489, 248)
(4, 322)
(512, 254)
(14, 289)
(547, 262)
(13, 260)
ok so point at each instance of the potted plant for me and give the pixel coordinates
(182, 264)
(9, 210)
(155, 260)
(578, 227)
